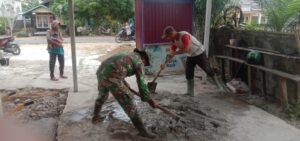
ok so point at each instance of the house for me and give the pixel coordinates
(152, 16)
(38, 19)
(252, 12)
(17, 7)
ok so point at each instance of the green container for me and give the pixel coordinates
(254, 57)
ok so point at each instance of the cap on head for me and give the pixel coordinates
(55, 23)
(167, 31)
(144, 55)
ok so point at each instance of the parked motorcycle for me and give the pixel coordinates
(7, 46)
(124, 36)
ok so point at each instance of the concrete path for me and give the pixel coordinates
(246, 122)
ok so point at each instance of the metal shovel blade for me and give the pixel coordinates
(152, 87)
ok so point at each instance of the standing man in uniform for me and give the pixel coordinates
(111, 77)
(184, 42)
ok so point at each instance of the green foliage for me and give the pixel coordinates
(95, 12)
(293, 110)
(21, 34)
(252, 26)
(29, 4)
(218, 8)
(2, 26)
(279, 12)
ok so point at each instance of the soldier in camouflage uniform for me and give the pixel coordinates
(111, 77)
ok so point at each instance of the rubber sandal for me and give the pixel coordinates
(54, 79)
(63, 77)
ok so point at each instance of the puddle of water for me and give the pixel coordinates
(117, 112)
(79, 115)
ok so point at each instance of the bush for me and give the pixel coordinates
(253, 27)
(85, 31)
(2, 26)
(22, 33)
(293, 110)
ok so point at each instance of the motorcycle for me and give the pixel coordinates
(124, 36)
(7, 46)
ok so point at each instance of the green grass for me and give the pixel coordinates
(293, 110)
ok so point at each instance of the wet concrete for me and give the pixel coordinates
(210, 116)
(195, 124)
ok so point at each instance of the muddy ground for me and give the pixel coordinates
(36, 108)
(208, 115)
(272, 106)
(197, 123)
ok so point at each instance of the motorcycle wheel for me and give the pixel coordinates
(16, 49)
(118, 39)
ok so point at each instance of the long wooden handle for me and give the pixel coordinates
(157, 75)
(167, 61)
(165, 110)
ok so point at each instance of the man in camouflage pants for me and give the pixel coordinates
(111, 77)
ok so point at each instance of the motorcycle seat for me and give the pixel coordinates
(5, 38)
(3, 41)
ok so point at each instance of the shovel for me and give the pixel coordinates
(152, 85)
(165, 110)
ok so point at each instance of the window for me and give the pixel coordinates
(42, 21)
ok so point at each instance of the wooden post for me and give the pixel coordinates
(264, 85)
(297, 36)
(298, 91)
(1, 110)
(283, 91)
(223, 71)
(249, 80)
(24, 22)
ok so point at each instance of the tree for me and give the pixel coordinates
(10, 11)
(29, 4)
(280, 13)
(218, 8)
(96, 12)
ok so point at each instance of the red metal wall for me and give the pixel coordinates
(138, 23)
(157, 14)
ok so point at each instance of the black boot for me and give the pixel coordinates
(137, 122)
(96, 117)
(190, 87)
(215, 78)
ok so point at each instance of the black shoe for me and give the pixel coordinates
(97, 119)
(147, 135)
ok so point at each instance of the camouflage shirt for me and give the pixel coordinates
(122, 65)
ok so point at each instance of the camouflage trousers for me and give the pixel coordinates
(121, 93)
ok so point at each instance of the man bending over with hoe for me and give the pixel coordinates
(111, 77)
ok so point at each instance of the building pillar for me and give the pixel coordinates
(259, 18)
(73, 45)
(207, 25)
